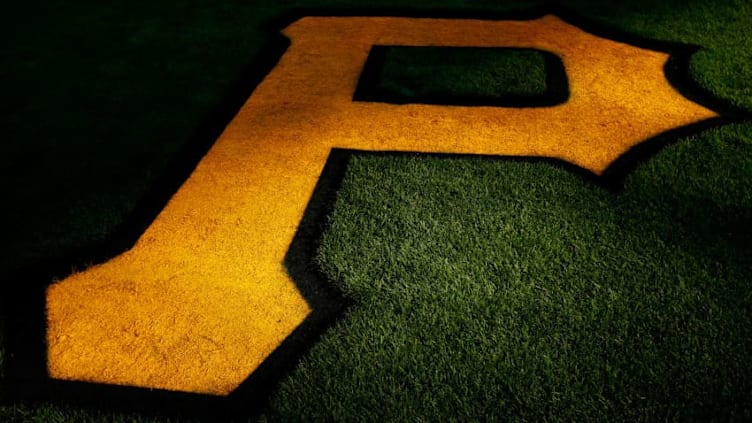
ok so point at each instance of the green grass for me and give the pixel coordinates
(420, 72)
(484, 288)
(505, 290)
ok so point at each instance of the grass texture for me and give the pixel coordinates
(538, 297)
(485, 288)
(416, 72)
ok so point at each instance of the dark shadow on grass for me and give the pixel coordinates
(24, 304)
(23, 298)
(556, 91)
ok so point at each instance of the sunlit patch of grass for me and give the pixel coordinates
(501, 290)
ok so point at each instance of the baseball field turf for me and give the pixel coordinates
(478, 286)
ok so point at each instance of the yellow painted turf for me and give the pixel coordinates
(203, 298)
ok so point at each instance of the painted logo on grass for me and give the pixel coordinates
(203, 301)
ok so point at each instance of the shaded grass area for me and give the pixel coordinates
(426, 72)
(98, 100)
(567, 303)
(501, 290)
